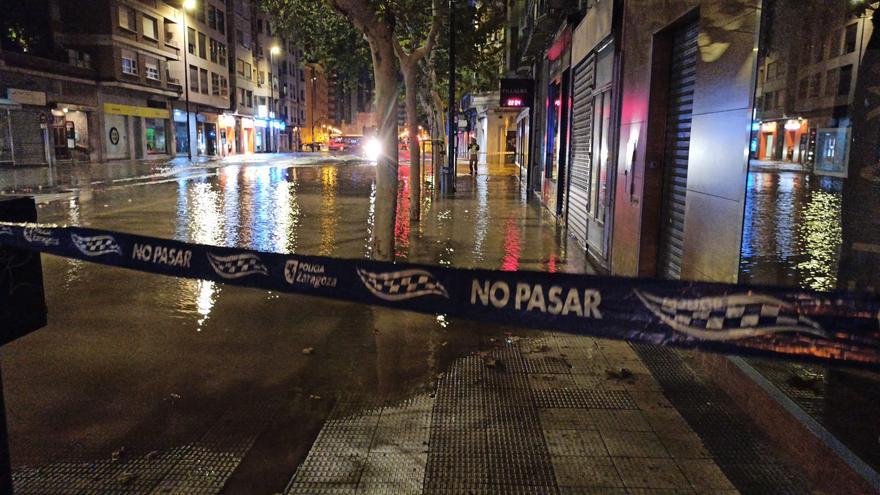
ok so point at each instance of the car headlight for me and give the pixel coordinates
(373, 149)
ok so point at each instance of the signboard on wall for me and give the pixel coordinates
(517, 93)
(832, 151)
(150, 113)
(25, 97)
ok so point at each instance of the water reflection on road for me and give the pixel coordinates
(792, 233)
(149, 362)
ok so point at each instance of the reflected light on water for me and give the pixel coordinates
(481, 225)
(74, 266)
(822, 235)
(200, 219)
(510, 262)
(329, 220)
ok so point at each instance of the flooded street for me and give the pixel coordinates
(792, 233)
(144, 364)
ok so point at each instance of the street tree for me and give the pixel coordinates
(479, 50)
(320, 23)
(412, 46)
(399, 34)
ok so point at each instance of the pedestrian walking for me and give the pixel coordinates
(474, 151)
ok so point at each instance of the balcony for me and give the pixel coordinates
(539, 22)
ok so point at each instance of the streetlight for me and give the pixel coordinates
(313, 109)
(275, 50)
(188, 5)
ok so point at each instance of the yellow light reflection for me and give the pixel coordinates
(329, 220)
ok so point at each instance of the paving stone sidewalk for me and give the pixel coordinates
(557, 414)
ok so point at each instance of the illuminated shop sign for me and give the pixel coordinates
(516, 93)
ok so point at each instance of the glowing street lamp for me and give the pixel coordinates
(188, 5)
(275, 50)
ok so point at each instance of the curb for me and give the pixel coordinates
(826, 462)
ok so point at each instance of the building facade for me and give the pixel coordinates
(204, 70)
(137, 79)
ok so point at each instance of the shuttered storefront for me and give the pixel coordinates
(678, 138)
(581, 148)
(27, 137)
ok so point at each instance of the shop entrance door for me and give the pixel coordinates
(59, 138)
(210, 139)
(678, 139)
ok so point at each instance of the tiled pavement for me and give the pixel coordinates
(557, 414)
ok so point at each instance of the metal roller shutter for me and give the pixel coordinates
(678, 138)
(581, 148)
(27, 137)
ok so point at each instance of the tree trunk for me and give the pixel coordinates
(411, 88)
(385, 74)
(860, 253)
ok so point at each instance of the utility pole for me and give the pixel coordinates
(452, 123)
(272, 52)
(187, 6)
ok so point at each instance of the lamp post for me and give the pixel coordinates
(313, 108)
(275, 50)
(187, 6)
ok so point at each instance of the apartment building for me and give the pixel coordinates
(97, 87)
(269, 52)
(291, 79)
(204, 70)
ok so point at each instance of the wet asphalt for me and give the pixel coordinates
(136, 365)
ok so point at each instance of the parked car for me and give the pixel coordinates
(346, 143)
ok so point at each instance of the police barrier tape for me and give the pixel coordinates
(797, 323)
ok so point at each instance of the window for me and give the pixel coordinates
(215, 84)
(127, 18)
(154, 130)
(129, 63)
(831, 82)
(203, 77)
(241, 96)
(212, 17)
(221, 21)
(151, 29)
(261, 77)
(845, 83)
(248, 72)
(849, 43)
(302, 95)
(268, 28)
(224, 86)
(768, 101)
(202, 47)
(191, 40)
(816, 84)
(761, 75)
(151, 68)
(779, 96)
(819, 48)
(250, 98)
(834, 43)
(193, 78)
(239, 66)
(221, 53)
(771, 71)
(214, 50)
(803, 88)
